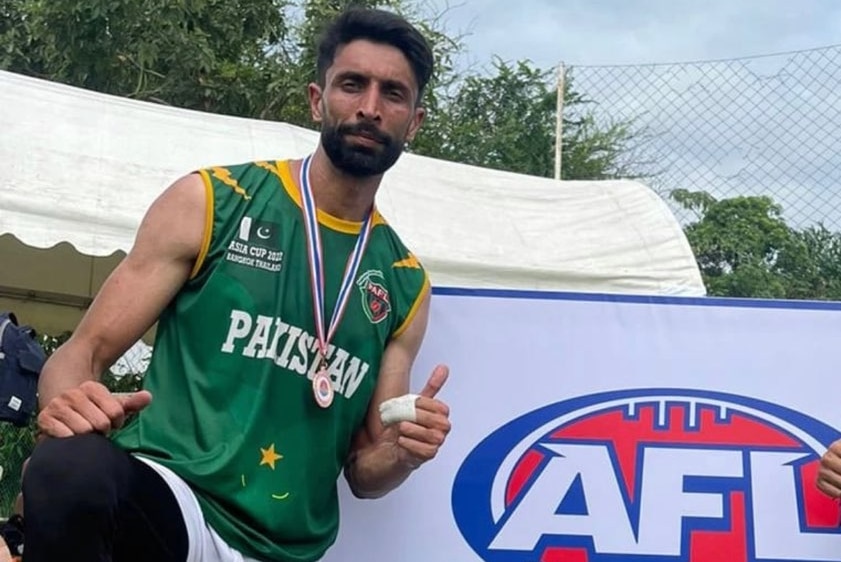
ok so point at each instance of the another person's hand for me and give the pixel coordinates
(829, 475)
(419, 441)
(89, 408)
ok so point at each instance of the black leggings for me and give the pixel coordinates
(87, 500)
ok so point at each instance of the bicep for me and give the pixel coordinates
(165, 249)
(394, 373)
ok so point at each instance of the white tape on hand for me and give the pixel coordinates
(398, 409)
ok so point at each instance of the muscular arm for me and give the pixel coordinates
(383, 457)
(129, 302)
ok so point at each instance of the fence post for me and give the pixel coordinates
(559, 122)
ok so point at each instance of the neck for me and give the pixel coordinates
(336, 193)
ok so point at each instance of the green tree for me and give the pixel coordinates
(507, 120)
(16, 444)
(226, 56)
(249, 58)
(254, 58)
(812, 266)
(737, 242)
(503, 121)
(745, 248)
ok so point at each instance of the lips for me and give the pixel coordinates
(366, 134)
(365, 139)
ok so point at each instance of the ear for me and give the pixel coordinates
(415, 123)
(315, 95)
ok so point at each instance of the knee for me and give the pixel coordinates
(76, 469)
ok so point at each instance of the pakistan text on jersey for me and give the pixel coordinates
(290, 347)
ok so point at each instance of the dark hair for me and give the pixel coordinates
(378, 26)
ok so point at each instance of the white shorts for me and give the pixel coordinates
(204, 545)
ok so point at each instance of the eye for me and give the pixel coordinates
(350, 85)
(395, 94)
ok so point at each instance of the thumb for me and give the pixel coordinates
(134, 401)
(436, 381)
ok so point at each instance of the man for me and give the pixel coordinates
(289, 312)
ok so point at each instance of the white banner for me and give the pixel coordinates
(618, 429)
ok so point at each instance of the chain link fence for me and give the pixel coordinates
(768, 125)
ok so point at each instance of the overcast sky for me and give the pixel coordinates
(608, 32)
(768, 125)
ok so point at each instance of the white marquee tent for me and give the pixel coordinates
(80, 168)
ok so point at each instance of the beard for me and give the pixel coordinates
(355, 159)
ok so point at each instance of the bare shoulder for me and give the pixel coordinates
(165, 250)
(174, 224)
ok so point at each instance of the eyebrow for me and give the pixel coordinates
(388, 84)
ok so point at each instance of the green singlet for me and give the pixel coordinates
(233, 412)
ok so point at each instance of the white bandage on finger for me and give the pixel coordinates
(398, 409)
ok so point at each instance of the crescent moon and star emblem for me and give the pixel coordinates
(269, 457)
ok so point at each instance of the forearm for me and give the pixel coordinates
(67, 368)
(375, 470)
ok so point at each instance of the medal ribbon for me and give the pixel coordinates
(315, 253)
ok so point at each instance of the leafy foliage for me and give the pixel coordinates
(254, 58)
(507, 120)
(745, 248)
(225, 56)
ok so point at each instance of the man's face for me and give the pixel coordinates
(367, 107)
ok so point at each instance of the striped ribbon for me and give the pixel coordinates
(315, 253)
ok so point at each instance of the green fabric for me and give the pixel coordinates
(233, 412)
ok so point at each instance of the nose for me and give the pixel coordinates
(369, 105)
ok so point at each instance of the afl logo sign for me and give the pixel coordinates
(650, 476)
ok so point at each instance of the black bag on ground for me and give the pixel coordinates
(21, 361)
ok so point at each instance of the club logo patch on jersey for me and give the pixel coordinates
(650, 476)
(375, 299)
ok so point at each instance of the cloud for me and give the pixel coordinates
(764, 125)
(607, 32)
(745, 127)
